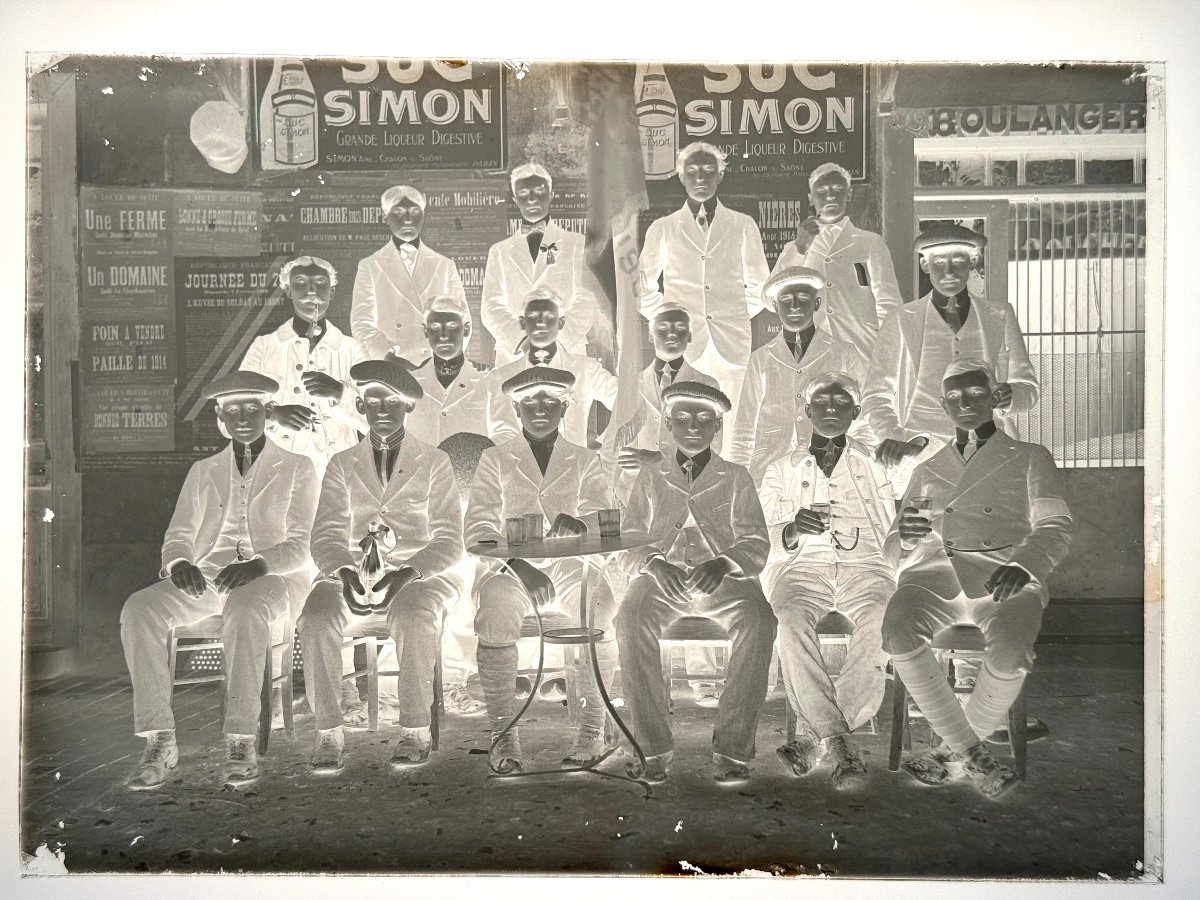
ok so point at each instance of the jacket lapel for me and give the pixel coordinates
(719, 226)
(561, 462)
(406, 466)
(395, 271)
(423, 271)
(517, 249)
(844, 241)
(269, 460)
(688, 227)
(220, 471)
(715, 473)
(364, 468)
(818, 348)
(551, 236)
(526, 465)
(999, 451)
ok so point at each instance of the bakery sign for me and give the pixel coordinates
(1044, 119)
(370, 114)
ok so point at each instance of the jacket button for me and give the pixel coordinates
(987, 543)
(445, 413)
(949, 509)
(829, 284)
(299, 367)
(678, 524)
(399, 324)
(987, 509)
(829, 259)
(708, 317)
(383, 510)
(708, 287)
(799, 396)
(804, 484)
(295, 390)
(949, 543)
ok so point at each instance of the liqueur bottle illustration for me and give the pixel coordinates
(288, 118)
(658, 120)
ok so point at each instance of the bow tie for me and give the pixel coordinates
(540, 357)
(531, 227)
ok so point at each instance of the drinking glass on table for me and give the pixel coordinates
(534, 527)
(515, 530)
(610, 523)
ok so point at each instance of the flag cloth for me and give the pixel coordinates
(616, 195)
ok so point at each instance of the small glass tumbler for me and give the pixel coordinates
(610, 524)
(534, 523)
(515, 530)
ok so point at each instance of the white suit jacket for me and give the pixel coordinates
(420, 505)
(281, 503)
(788, 486)
(646, 428)
(722, 502)
(285, 356)
(508, 484)
(511, 274)
(1006, 505)
(387, 300)
(860, 283)
(896, 375)
(443, 411)
(593, 382)
(769, 417)
(717, 277)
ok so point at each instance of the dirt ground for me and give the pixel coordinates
(1078, 816)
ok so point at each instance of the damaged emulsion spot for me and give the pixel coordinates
(45, 861)
(48, 516)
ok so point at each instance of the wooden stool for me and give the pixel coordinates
(956, 642)
(833, 630)
(206, 635)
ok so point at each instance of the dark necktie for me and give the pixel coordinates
(247, 459)
(688, 466)
(953, 316)
(702, 219)
(383, 465)
(666, 378)
(535, 244)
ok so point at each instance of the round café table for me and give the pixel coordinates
(588, 548)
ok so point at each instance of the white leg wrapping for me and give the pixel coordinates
(925, 679)
(991, 699)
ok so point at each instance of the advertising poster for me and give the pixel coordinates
(125, 236)
(128, 419)
(119, 349)
(776, 122)
(217, 223)
(379, 114)
(221, 305)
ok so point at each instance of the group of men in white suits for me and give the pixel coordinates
(765, 522)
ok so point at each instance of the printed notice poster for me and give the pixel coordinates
(222, 305)
(379, 114)
(217, 223)
(117, 349)
(126, 240)
(128, 418)
(775, 122)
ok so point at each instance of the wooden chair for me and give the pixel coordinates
(956, 642)
(206, 635)
(833, 630)
(694, 631)
(371, 642)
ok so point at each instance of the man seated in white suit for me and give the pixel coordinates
(860, 280)
(710, 259)
(996, 527)
(394, 281)
(711, 546)
(540, 254)
(538, 471)
(313, 412)
(454, 401)
(902, 394)
(543, 317)
(236, 547)
(826, 560)
(770, 418)
(645, 438)
(389, 514)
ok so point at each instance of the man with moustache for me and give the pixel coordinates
(770, 419)
(902, 396)
(540, 254)
(710, 260)
(860, 280)
(313, 412)
(393, 283)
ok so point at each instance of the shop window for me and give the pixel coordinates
(1108, 171)
(1004, 172)
(952, 171)
(1059, 170)
(1077, 282)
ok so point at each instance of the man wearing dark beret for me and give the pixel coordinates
(236, 547)
(387, 534)
(711, 546)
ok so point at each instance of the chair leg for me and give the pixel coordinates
(667, 667)
(438, 707)
(1017, 723)
(264, 709)
(286, 690)
(372, 649)
(172, 653)
(899, 722)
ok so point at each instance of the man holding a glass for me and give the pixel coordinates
(829, 505)
(536, 478)
(994, 526)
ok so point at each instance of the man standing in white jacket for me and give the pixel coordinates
(541, 253)
(770, 418)
(831, 559)
(860, 280)
(393, 283)
(711, 262)
(902, 395)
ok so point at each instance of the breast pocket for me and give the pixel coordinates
(860, 272)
